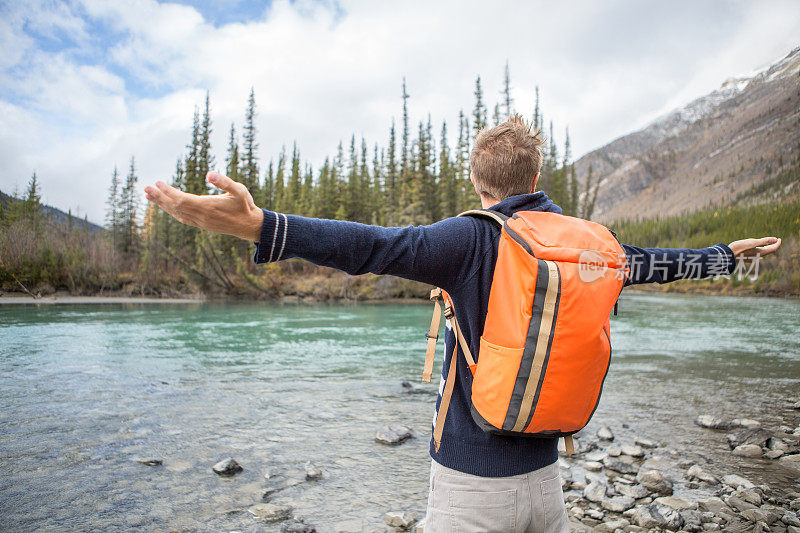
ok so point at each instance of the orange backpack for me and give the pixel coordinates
(545, 348)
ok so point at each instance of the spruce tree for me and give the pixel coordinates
(130, 209)
(205, 160)
(194, 182)
(479, 113)
(280, 174)
(508, 102)
(404, 166)
(249, 171)
(447, 177)
(391, 196)
(232, 158)
(537, 113)
(292, 196)
(113, 208)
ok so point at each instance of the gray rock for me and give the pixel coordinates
(393, 434)
(399, 519)
(297, 525)
(657, 516)
(739, 504)
(655, 481)
(605, 433)
(149, 461)
(227, 467)
(595, 492)
(757, 436)
(713, 505)
(415, 388)
(632, 450)
(754, 515)
(745, 423)
(614, 450)
(697, 472)
(734, 481)
(618, 504)
(679, 504)
(712, 422)
(595, 514)
(711, 526)
(691, 520)
(313, 472)
(658, 462)
(595, 456)
(748, 495)
(792, 529)
(777, 444)
(645, 443)
(270, 512)
(773, 454)
(796, 405)
(748, 450)
(611, 526)
(634, 491)
(795, 504)
(593, 466)
(792, 460)
(790, 519)
(618, 465)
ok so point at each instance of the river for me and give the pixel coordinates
(87, 389)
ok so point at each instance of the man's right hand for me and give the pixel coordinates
(233, 213)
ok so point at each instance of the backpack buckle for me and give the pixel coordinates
(436, 294)
(448, 311)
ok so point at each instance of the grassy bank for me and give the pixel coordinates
(778, 274)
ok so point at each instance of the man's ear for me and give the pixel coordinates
(535, 181)
(474, 185)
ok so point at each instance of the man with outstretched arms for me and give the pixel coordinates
(479, 481)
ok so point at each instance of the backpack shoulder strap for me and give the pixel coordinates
(497, 216)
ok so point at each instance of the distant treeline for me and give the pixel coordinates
(778, 274)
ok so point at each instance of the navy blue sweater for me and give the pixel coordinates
(458, 254)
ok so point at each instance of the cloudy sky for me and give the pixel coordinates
(86, 84)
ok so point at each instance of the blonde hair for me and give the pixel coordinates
(506, 158)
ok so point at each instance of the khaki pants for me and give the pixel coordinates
(463, 503)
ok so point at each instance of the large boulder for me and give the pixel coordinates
(270, 512)
(748, 450)
(595, 492)
(618, 465)
(605, 433)
(618, 504)
(657, 516)
(393, 435)
(756, 436)
(400, 520)
(655, 481)
(227, 467)
(697, 472)
(712, 422)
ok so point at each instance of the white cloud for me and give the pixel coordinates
(322, 72)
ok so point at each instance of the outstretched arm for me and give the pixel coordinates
(439, 254)
(662, 265)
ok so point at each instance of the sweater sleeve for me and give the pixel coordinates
(662, 265)
(440, 254)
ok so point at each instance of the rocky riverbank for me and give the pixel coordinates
(613, 486)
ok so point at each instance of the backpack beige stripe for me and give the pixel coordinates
(548, 317)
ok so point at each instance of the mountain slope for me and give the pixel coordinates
(736, 144)
(57, 215)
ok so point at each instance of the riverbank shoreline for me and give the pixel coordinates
(20, 298)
